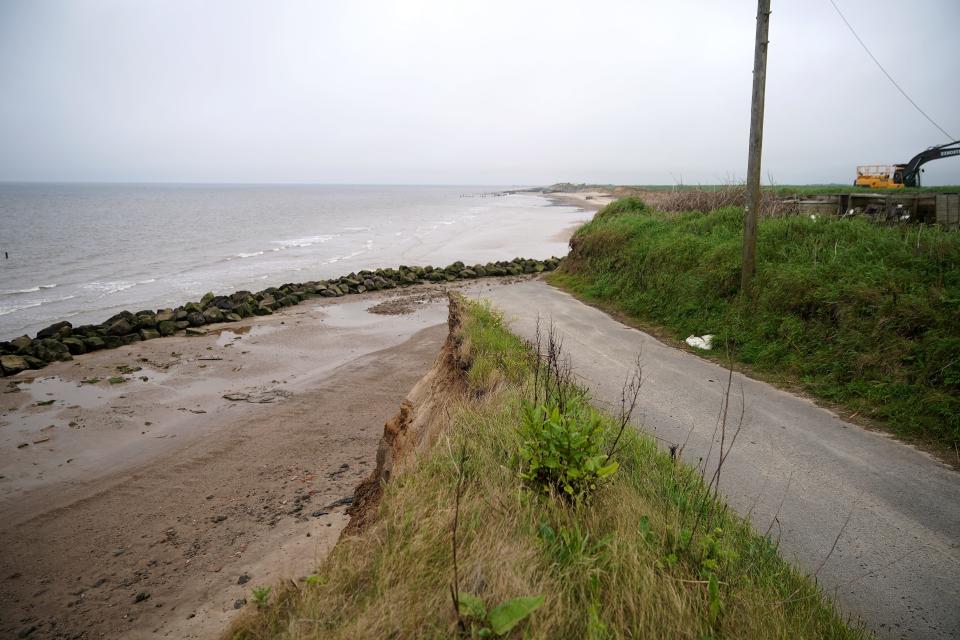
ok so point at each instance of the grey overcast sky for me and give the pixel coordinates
(466, 92)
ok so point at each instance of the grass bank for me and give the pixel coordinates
(862, 316)
(636, 547)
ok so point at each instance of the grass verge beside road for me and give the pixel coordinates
(862, 316)
(644, 550)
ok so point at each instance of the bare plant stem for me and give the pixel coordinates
(628, 402)
(455, 585)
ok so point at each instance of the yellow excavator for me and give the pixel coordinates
(898, 176)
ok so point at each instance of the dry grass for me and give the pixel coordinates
(627, 563)
(735, 195)
(706, 199)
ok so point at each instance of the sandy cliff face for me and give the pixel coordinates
(423, 414)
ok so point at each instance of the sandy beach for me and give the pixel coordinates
(586, 200)
(145, 490)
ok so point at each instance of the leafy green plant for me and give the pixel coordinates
(714, 553)
(499, 620)
(563, 450)
(261, 595)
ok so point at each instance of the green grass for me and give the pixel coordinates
(648, 554)
(860, 315)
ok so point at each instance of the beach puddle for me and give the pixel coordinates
(90, 393)
(362, 315)
(228, 337)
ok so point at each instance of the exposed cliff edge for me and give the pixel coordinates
(423, 414)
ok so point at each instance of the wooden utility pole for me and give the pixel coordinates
(756, 144)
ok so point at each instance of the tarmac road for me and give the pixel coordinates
(897, 563)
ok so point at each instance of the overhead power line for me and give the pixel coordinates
(889, 77)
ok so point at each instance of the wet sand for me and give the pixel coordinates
(150, 507)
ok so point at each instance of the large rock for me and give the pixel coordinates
(167, 328)
(13, 364)
(50, 350)
(121, 327)
(112, 342)
(232, 317)
(207, 297)
(166, 315)
(87, 330)
(223, 303)
(75, 345)
(21, 343)
(56, 330)
(34, 363)
(146, 320)
(268, 302)
(212, 314)
(92, 343)
(123, 314)
(149, 334)
(195, 318)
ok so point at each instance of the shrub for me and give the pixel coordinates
(563, 450)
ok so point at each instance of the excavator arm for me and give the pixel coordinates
(911, 173)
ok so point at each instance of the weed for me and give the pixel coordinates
(499, 620)
(116, 380)
(261, 595)
(563, 451)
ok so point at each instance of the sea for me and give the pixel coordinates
(83, 252)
